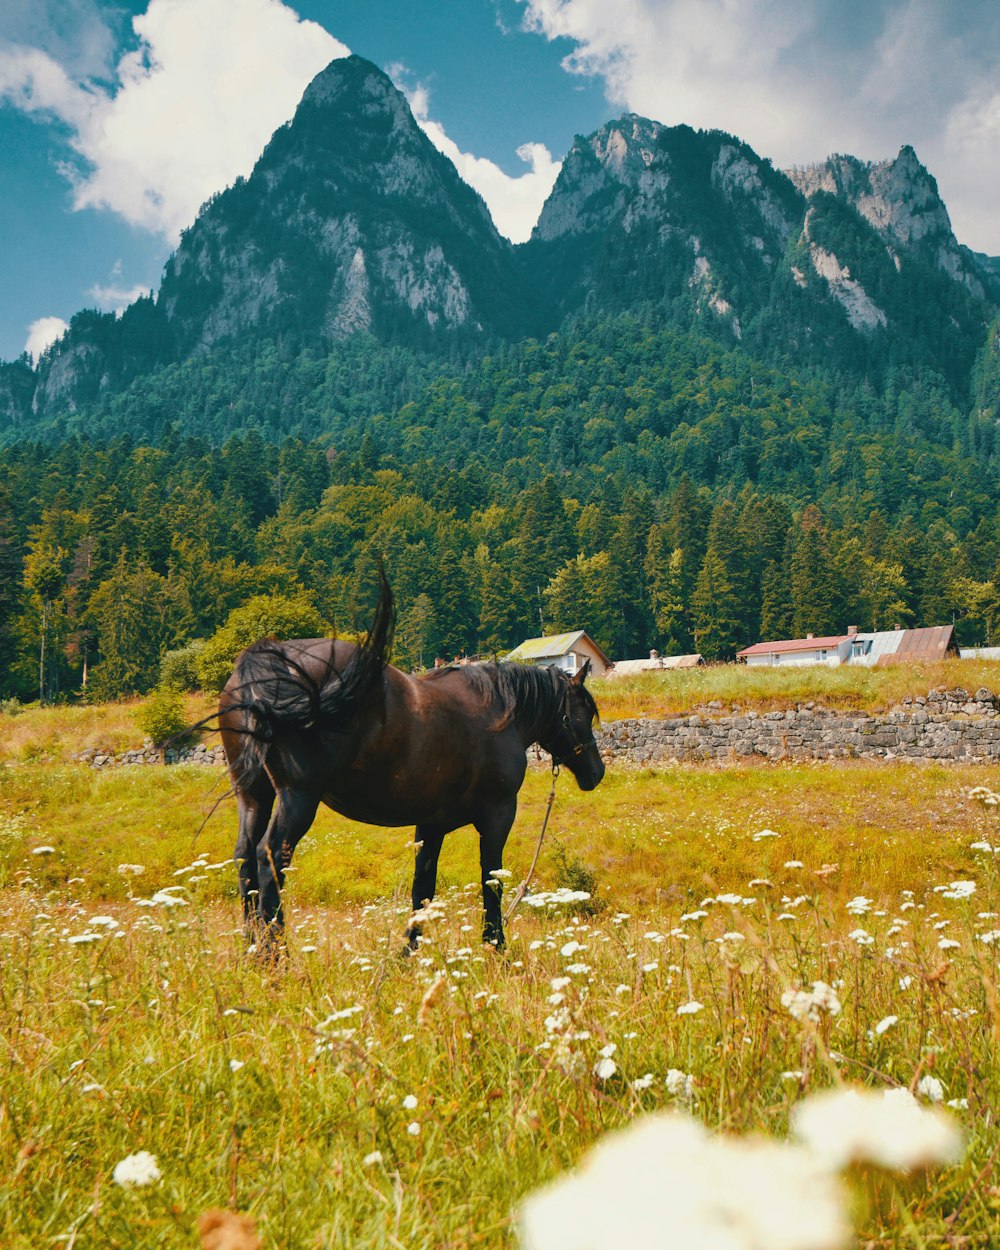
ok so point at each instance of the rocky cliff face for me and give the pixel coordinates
(641, 208)
(900, 199)
(351, 221)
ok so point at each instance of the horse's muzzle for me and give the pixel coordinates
(590, 776)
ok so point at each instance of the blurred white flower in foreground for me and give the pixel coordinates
(666, 1181)
(136, 1170)
(888, 1127)
(809, 1004)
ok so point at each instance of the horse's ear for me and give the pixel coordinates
(581, 676)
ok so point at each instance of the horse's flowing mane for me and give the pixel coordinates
(531, 696)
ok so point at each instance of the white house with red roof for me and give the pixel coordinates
(887, 646)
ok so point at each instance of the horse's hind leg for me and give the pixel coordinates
(254, 808)
(293, 814)
(424, 873)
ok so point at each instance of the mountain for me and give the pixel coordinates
(351, 221)
(851, 264)
(900, 199)
(641, 211)
(352, 227)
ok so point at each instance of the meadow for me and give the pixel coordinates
(349, 1096)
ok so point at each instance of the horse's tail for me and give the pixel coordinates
(271, 688)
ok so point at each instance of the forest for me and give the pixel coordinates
(640, 481)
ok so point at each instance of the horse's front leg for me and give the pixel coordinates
(493, 830)
(424, 874)
(293, 814)
(254, 808)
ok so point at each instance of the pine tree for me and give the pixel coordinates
(664, 575)
(817, 593)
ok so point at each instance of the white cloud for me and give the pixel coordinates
(798, 79)
(116, 298)
(42, 333)
(194, 106)
(514, 202)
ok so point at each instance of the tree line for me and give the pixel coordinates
(646, 485)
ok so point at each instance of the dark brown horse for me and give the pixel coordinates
(323, 721)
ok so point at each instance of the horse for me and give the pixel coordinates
(321, 720)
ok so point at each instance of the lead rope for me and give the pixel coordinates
(522, 889)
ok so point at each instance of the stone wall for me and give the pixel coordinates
(944, 725)
(148, 754)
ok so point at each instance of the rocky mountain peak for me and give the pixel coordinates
(900, 198)
(351, 220)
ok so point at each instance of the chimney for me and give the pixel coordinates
(898, 627)
(808, 636)
(654, 654)
(852, 631)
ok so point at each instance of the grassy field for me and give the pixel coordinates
(766, 689)
(350, 1097)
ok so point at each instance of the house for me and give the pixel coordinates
(565, 651)
(655, 663)
(809, 650)
(880, 647)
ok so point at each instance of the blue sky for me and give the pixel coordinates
(118, 119)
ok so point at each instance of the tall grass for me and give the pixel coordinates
(766, 689)
(350, 1097)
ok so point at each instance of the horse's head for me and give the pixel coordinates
(571, 743)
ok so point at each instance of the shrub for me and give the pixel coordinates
(163, 715)
(573, 874)
(262, 616)
(179, 668)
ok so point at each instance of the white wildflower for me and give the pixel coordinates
(930, 1087)
(643, 1082)
(859, 905)
(765, 833)
(136, 1170)
(236, 1064)
(690, 1009)
(687, 1189)
(794, 863)
(410, 1102)
(959, 889)
(43, 850)
(413, 1128)
(372, 1158)
(861, 937)
(889, 1128)
(810, 1004)
(605, 1068)
(885, 1024)
(679, 1084)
